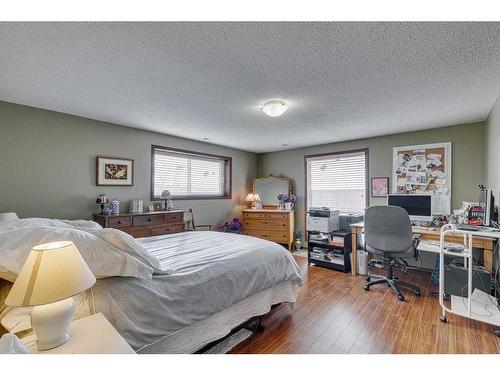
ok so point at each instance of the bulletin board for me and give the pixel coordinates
(424, 169)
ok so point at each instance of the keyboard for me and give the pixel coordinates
(468, 227)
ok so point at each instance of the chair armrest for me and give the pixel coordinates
(209, 226)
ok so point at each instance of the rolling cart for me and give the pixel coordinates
(480, 313)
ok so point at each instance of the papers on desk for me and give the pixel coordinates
(482, 306)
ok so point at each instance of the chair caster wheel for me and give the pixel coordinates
(366, 287)
(417, 292)
(443, 319)
(401, 298)
(367, 278)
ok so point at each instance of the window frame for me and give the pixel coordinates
(228, 175)
(367, 168)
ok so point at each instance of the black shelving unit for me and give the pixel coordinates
(328, 255)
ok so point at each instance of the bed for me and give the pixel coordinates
(201, 285)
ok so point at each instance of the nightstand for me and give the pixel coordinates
(90, 335)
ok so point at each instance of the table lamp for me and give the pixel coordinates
(52, 274)
(252, 199)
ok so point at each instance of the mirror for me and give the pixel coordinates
(268, 189)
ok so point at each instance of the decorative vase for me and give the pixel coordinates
(288, 206)
(298, 245)
(115, 207)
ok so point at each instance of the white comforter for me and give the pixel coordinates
(201, 274)
(161, 284)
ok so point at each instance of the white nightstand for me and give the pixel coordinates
(90, 335)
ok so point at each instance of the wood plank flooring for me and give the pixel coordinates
(333, 314)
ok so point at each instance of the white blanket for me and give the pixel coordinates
(201, 274)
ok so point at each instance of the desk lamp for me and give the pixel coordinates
(52, 274)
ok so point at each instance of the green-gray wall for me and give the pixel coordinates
(493, 150)
(47, 165)
(468, 157)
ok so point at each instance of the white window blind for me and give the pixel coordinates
(337, 181)
(188, 175)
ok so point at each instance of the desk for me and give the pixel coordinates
(484, 243)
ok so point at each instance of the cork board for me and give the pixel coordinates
(423, 169)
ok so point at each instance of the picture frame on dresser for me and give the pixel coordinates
(114, 171)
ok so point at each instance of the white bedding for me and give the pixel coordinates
(202, 273)
(18, 237)
(192, 280)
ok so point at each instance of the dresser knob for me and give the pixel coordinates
(119, 222)
(149, 219)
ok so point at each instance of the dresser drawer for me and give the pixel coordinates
(281, 237)
(177, 217)
(167, 230)
(257, 233)
(148, 220)
(256, 224)
(279, 225)
(254, 215)
(137, 233)
(277, 216)
(119, 222)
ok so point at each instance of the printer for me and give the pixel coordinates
(324, 220)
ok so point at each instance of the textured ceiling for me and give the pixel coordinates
(207, 80)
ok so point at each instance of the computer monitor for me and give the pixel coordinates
(419, 207)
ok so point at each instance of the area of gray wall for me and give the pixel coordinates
(47, 165)
(493, 150)
(467, 160)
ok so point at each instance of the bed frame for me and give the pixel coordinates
(253, 324)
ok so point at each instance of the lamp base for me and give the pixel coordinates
(51, 323)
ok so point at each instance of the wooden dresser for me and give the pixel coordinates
(146, 224)
(272, 225)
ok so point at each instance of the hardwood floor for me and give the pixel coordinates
(333, 314)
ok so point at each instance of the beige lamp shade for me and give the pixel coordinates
(250, 197)
(256, 197)
(53, 271)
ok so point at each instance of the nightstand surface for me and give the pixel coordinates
(90, 335)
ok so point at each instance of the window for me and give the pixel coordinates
(189, 175)
(338, 181)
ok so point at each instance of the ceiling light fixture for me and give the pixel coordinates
(274, 108)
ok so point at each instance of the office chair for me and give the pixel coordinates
(388, 234)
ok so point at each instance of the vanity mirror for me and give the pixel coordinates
(268, 188)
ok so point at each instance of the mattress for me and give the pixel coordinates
(203, 274)
(207, 284)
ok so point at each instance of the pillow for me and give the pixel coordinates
(103, 259)
(130, 245)
(40, 221)
(8, 216)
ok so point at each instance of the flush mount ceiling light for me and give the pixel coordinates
(274, 108)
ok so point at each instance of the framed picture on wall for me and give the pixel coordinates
(112, 171)
(379, 186)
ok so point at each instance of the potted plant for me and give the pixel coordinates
(287, 201)
(231, 226)
(299, 233)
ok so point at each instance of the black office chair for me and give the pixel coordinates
(388, 234)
